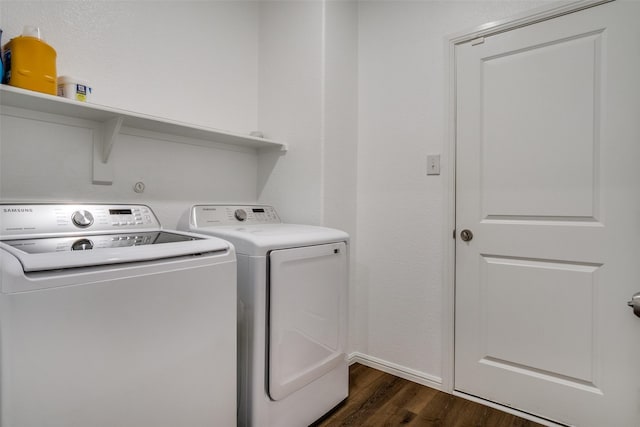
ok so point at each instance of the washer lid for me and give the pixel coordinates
(53, 253)
(257, 240)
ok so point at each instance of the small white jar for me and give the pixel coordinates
(72, 88)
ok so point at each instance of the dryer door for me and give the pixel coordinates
(307, 315)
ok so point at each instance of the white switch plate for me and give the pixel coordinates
(433, 164)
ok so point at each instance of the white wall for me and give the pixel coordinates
(402, 118)
(290, 104)
(189, 61)
(308, 98)
(340, 116)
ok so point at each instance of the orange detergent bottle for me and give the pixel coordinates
(31, 63)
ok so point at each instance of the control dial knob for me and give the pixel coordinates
(82, 245)
(240, 214)
(82, 218)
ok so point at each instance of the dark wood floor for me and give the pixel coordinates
(380, 399)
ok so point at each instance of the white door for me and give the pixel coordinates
(307, 315)
(548, 182)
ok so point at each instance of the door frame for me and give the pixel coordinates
(449, 178)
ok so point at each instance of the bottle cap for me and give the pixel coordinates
(31, 31)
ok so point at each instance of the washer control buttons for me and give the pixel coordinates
(240, 214)
(82, 218)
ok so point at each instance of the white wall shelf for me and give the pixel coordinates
(112, 119)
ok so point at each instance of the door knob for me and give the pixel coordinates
(635, 303)
(467, 235)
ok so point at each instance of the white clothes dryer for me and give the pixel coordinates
(292, 303)
(108, 320)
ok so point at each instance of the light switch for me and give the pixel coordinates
(433, 164)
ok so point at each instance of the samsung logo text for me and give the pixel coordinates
(17, 210)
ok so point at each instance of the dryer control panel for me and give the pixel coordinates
(40, 220)
(210, 215)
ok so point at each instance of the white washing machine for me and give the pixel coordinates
(108, 320)
(292, 333)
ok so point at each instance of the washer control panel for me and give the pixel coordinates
(208, 215)
(47, 219)
(100, 241)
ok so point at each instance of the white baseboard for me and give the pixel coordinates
(397, 370)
